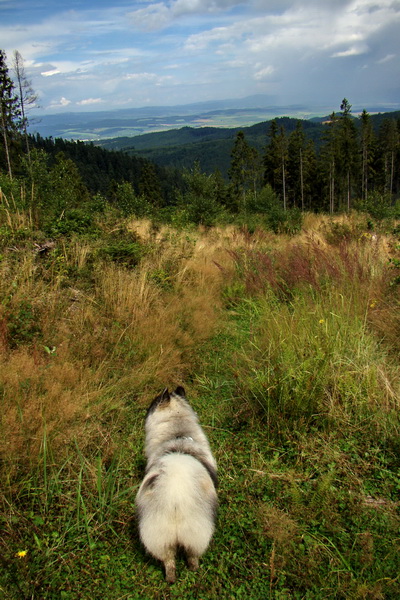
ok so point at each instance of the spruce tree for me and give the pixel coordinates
(283, 157)
(348, 151)
(389, 142)
(329, 158)
(271, 160)
(244, 170)
(9, 111)
(367, 152)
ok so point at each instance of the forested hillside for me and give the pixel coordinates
(211, 146)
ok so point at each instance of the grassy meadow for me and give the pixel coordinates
(288, 348)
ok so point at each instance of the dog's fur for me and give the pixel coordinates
(177, 500)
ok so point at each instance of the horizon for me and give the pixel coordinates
(96, 56)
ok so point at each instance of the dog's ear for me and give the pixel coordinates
(162, 398)
(180, 391)
(165, 396)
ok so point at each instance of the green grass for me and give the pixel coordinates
(297, 390)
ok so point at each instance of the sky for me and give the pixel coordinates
(102, 55)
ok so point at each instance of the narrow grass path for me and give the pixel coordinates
(297, 395)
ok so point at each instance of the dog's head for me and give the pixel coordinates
(168, 401)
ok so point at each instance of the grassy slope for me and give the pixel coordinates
(288, 349)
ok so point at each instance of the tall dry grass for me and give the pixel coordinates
(81, 337)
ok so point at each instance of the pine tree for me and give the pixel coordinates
(9, 111)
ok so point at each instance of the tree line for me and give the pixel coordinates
(353, 166)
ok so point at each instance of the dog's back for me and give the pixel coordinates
(177, 500)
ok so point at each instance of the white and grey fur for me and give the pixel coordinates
(177, 500)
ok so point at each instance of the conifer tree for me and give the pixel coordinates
(301, 160)
(275, 160)
(283, 156)
(9, 111)
(329, 158)
(389, 141)
(244, 169)
(367, 154)
(271, 160)
(348, 150)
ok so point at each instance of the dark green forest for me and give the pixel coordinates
(273, 170)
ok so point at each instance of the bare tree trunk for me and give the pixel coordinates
(6, 146)
(301, 180)
(348, 191)
(391, 175)
(284, 185)
(332, 188)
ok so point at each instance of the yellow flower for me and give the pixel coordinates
(321, 321)
(22, 553)
(373, 304)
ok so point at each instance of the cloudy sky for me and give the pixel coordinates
(98, 54)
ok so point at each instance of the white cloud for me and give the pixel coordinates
(264, 72)
(61, 103)
(214, 48)
(353, 51)
(50, 73)
(160, 15)
(386, 59)
(89, 101)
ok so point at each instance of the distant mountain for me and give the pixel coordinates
(97, 125)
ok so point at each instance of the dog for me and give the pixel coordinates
(177, 501)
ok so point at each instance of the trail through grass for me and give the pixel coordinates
(286, 353)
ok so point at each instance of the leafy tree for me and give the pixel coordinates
(9, 111)
(67, 188)
(200, 200)
(129, 202)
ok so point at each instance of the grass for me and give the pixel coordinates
(288, 349)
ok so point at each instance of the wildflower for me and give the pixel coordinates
(22, 553)
(373, 304)
(321, 321)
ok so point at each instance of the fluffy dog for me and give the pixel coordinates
(177, 500)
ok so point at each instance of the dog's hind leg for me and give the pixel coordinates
(169, 564)
(193, 561)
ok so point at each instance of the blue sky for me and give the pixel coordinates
(100, 55)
